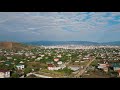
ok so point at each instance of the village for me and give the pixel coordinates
(46, 62)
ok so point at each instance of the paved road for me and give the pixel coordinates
(82, 71)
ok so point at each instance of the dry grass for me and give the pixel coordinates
(96, 74)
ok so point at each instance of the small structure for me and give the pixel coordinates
(86, 58)
(56, 59)
(101, 66)
(59, 56)
(74, 68)
(9, 57)
(4, 74)
(20, 67)
(42, 55)
(118, 73)
(104, 67)
(76, 61)
(21, 62)
(50, 67)
(59, 62)
(33, 57)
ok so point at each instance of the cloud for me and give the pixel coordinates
(59, 25)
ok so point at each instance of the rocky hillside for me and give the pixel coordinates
(13, 45)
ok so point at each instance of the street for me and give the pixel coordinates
(80, 73)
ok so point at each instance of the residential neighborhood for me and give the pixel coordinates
(60, 62)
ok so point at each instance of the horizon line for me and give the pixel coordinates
(60, 41)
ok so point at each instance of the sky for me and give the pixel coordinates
(60, 26)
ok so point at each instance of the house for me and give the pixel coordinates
(74, 68)
(50, 67)
(104, 67)
(62, 66)
(101, 66)
(4, 74)
(21, 62)
(56, 59)
(77, 61)
(33, 57)
(118, 73)
(86, 58)
(59, 56)
(26, 54)
(9, 57)
(20, 67)
(39, 58)
(42, 55)
(82, 61)
(59, 62)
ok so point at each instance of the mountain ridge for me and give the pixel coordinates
(23, 45)
(47, 43)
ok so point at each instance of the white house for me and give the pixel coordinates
(21, 62)
(20, 67)
(39, 58)
(4, 74)
(26, 54)
(62, 66)
(9, 57)
(76, 61)
(42, 55)
(59, 62)
(59, 56)
(33, 56)
(86, 58)
(74, 68)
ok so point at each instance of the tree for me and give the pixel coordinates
(67, 71)
(14, 75)
(27, 70)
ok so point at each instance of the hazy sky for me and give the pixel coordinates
(77, 26)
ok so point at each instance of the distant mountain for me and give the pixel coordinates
(47, 43)
(115, 43)
(29, 45)
(87, 43)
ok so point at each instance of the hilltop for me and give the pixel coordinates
(14, 45)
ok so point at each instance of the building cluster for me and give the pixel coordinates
(54, 58)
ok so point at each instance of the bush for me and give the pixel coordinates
(14, 75)
(66, 71)
(27, 70)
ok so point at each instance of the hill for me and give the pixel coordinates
(13, 45)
